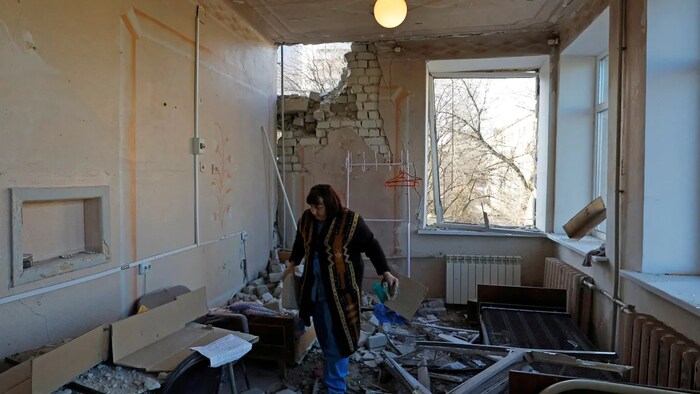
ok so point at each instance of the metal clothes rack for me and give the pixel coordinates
(405, 165)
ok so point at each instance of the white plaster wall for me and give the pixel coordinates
(574, 142)
(672, 153)
(103, 94)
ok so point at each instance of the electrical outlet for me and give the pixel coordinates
(144, 268)
(202, 167)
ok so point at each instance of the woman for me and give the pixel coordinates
(330, 239)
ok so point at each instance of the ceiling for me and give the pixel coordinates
(319, 21)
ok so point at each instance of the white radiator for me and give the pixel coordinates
(465, 272)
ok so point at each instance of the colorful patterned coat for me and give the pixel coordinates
(339, 245)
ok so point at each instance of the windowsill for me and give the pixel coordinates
(59, 266)
(582, 246)
(682, 290)
(499, 233)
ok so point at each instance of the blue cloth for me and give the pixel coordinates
(336, 368)
(386, 315)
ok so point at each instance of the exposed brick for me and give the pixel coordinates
(323, 125)
(362, 115)
(354, 64)
(373, 114)
(364, 56)
(315, 96)
(361, 63)
(342, 99)
(369, 123)
(296, 167)
(363, 132)
(383, 149)
(357, 72)
(363, 80)
(290, 141)
(347, 123)
(357, 88)
(326, 106)
(358, 47)
(335, 123)
(371, 89)
(372, 63)
(319, 115)
(350, 56)
(375, 80)
(371, 106)
(375, 141)
(373, 97)
(352, 98)
(298, 121)
(380, 123)
(374, 132)
(352, 80)
(324, 141)
(373, 71)
(308, 141)
(320, 133)
(362, 97)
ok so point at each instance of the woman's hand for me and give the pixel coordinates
(288, 270)
(391, 280)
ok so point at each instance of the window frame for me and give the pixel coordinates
(431, 135)
(601, 104)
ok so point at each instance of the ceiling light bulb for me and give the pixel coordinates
(390, 13)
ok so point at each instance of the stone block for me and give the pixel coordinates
(277, 293)
(361, 97)
(260, 290)
(374, 132)
(363, 80)
(294, 159)
(257, 282)
(320, 133)
(365, 56)
(362, 339)
(371, 106)
(374, 80)
(362, 63)
(297, 167)
(372, 89)
(358, 47)
(357, 72)
(275, 277)
(351, 80)
(352, 64)
(324, 141)
(383, 149)
(363, 132)
(372, 63)
(352, 98)
(379, 122)
(248, 289)
(373, 114)
(376, 341)
(298, 121)
(307, 141)
(369, 123)
(288, 134)
(326, 106)
(323, 125)
(373, 97)
(352, 107)
(276, 267)
(315, 96)
(347, 123)
(290, 141)
(295, 104)
(267, 297)
(273, 305)
(362, 115)
(357, 88)
(337, 107)
(375, 141)
(335, 123)
(319, 115)
(350, 56)
(342, 99)
(373, 72)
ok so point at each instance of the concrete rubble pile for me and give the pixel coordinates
(266, 289)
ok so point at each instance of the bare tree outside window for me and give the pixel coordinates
(486, 129)
(312, 68)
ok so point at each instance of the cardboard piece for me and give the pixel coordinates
(160, 338)
(586, 219)
(411, 295)
(51, 370)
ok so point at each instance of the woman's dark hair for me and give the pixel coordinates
(330, 199)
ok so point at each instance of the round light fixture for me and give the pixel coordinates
(390, 13)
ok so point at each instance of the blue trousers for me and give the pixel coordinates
(336, 368)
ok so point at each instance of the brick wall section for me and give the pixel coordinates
(353, 104)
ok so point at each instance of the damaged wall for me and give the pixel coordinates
(402, 105)
(103, 94)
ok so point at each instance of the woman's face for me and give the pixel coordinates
(318, 210)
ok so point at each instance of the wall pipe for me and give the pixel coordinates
(279, 177)
(616, 300)
(284, 153)
(73, 282)
(196, 127)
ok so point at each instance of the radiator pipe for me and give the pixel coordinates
(616, 300)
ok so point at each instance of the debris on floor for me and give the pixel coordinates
(111, 379)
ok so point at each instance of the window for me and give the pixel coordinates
(58, 230)
(482, 166)
(600, 139)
